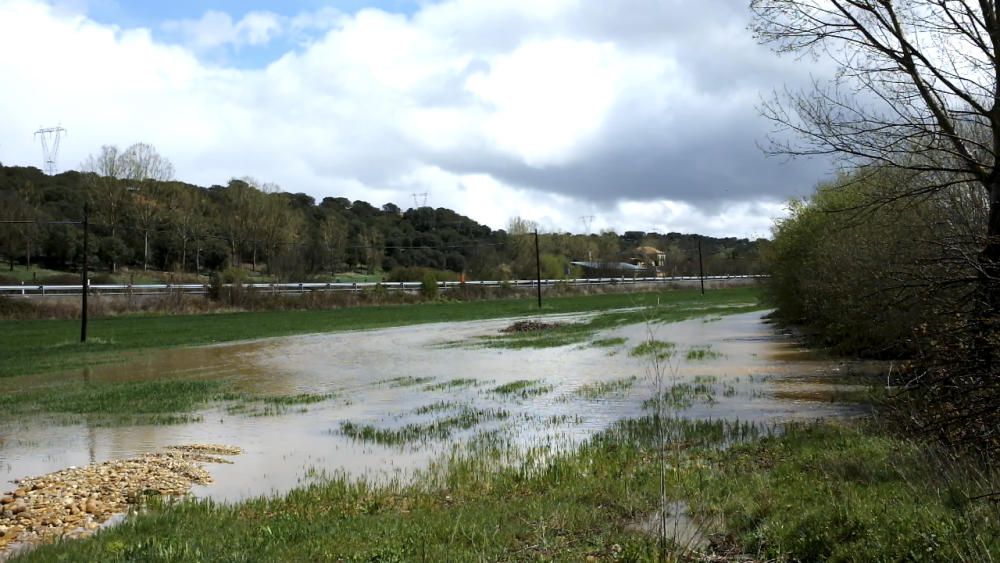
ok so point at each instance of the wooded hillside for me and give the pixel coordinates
(178, 227)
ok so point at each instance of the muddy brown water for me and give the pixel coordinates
(755, 378)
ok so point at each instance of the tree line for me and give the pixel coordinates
(143, 219)
(900, 256)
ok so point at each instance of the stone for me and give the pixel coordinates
(75, 501)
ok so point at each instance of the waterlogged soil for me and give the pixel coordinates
(391, 400)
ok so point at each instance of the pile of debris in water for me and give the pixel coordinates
(529, 326)
(74, 502)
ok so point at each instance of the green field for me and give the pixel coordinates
(39, 346)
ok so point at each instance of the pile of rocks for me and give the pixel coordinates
(76, 501)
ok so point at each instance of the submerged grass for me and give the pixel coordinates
(699, 353)
(811, 492)
(270, 405)
(683, 396)
(39, 346)
(523, 388)
(168, 401)
(601, 389)
(578, 332)
(456, 383)
(161, 401)
(438, 429)
(407, 381)
(654, 349)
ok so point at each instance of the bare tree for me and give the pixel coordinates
(917, 88)
(107, 194)
(142, 162)
(917, 93)
(114, 173)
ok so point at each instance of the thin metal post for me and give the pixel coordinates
(85, 282)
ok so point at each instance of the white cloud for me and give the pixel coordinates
(495, 108)
(215, 29)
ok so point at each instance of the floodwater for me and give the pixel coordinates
(754, 375)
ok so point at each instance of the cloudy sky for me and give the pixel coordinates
(639, 113)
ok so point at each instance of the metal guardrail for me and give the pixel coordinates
(305, 287)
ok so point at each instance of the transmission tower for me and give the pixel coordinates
(50, 146)
(420, 200)
(587, 220)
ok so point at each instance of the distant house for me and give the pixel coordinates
(647, 256)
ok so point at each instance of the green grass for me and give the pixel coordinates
(163, 401)
(654, 349)
(578, 332)
(23, 274)
(816, 492)
(269, 405)
(110, 404)
(407, 381)
(456, 383)
(604, 388)
(683, 396)
(39, 346)
(439, 429)
(700, 353)
(523, 388)
(826, 492)
(300, 399)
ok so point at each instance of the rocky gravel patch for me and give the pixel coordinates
(74, 502)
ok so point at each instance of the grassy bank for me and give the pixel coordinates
(816, 492)
(40, 346)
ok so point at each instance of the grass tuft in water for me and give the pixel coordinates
(683, 395)
(168, 401)
(699, 353)
(604, 388)
(439, 429)
(456, 383)
(523, 388)
(654, 348)
(406, 381)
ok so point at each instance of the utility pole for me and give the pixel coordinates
(538, 270)
(86, 274)
(701, 267)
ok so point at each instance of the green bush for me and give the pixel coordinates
(429, 286)
(852, 264)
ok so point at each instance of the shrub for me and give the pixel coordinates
(429, 286)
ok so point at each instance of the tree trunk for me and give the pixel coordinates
(254, 265)
(197, 257)
(145, 250)
(28, 254)
(184, 245)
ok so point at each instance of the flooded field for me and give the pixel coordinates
(381, 403)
